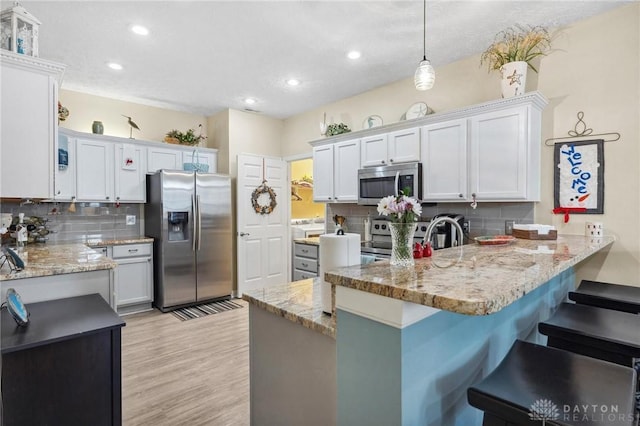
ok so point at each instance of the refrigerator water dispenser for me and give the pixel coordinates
(178, 226)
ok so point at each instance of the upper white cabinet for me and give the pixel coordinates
(504, 157)
(401, 146)
(130, 173)
(209, 158)
(159, 158)
(28, 125)
(94, 165)
(444, 161)
(65, 169)
(335, 171)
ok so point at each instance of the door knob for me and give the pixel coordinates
(242, 234)
(391, 160)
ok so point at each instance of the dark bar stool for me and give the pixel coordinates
(536, 382)
(609, 296)
(599, 333)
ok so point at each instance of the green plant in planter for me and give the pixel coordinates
(337, 129)
(187, 138)
(517, 43)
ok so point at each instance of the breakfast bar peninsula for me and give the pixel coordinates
(409, 341)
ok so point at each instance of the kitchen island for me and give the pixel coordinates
(54, 271)
(409, 341)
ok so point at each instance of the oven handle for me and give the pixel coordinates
(397, 181)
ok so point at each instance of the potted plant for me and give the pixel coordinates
(512, 52)
(187, 138)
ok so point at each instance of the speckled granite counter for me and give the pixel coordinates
(55, 259)
(298, 301)
(315, 241)
(474, 280)
(118, 242)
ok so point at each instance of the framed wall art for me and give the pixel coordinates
(579, 176)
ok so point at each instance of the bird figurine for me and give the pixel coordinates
(132, 124)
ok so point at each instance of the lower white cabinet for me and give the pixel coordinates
(133, 277)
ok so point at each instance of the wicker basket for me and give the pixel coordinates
(533, 235)
(174, 141)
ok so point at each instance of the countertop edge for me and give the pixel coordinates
(466, 306)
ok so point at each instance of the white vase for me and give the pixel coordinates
(514, 77)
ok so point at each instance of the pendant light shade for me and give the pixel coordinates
(425, 75)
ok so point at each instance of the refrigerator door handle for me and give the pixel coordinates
(194, 208)
(199, 221)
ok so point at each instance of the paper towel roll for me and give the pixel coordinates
(336, 251)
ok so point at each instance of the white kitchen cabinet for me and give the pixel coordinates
(133, 277)
(335, 171)
(373, 151)
(444, 161)
(504, 161)
(65, 176)
(95, 170)
(28, 125)
(404, 146)
(401, 146)
(208, 158)
(305, 261)
(164, 158)
(130, 173)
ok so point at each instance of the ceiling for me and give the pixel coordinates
(206, 56)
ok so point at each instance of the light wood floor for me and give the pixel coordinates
(192, 372)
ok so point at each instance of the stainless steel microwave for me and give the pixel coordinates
(377, 182)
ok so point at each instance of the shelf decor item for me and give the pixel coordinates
(337, 129)
(512, 52)
(97, 127)
(403, 212)
(63, 112)
(19, 31)
(187, 138)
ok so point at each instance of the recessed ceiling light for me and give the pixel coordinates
(114, 66)
(293, 82)
(354, 54)
(250, 101)
(140, 30)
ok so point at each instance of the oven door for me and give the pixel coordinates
(375, 183)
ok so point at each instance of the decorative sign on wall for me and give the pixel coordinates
(579, 177)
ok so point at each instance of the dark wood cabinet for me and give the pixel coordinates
(64, 368)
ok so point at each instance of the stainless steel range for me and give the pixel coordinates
(380, 244)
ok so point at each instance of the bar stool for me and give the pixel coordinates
(609, 296)
(599, 333)
(536, 382)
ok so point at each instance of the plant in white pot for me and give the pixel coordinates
(512, 52)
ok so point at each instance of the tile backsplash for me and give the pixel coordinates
(486, 219)
(90, 221)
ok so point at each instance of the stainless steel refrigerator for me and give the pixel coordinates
(189, 216)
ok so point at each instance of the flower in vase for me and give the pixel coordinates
(400, 208)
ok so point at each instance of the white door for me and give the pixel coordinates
(404, 146)
(346, 162)
(65, 182)
(163, 158)
(262, 238)
(374, 151)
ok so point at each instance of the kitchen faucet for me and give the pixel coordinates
(439, 220)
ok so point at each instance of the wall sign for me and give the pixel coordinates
(579, 177)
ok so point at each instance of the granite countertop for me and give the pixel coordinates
(55, 259)
(314, 241)
(298, 301)
(473, 279)
(118, 242)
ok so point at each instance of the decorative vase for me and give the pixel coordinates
(97, 127)
(514, 77)
(402, 243)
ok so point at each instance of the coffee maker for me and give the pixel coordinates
(445, 233)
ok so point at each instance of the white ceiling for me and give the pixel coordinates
(205, 56)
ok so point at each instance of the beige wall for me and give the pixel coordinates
(154, 122)
(594, 68)
(218, 137)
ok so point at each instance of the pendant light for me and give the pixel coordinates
(425, 74)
